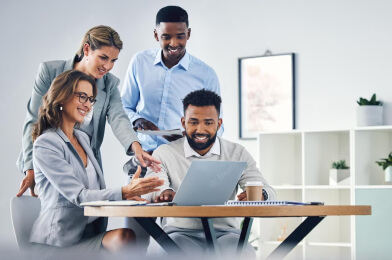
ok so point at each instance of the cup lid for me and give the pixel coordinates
(254, 183)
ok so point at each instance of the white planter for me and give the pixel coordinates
(339, 177)
(369, 115)
(388, 174)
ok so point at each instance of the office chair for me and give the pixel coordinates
(24, 212)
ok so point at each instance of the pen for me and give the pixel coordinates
(316, 203)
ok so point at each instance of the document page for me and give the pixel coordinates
(113, 203)
(161, 132)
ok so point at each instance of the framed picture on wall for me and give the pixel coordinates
(266, 94)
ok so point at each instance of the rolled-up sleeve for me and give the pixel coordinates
(162, 174)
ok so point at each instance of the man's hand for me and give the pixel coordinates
(172, 138)
(139, 186)
(165, 196)
(27, 182)
(242, 196)
(144, 124)
(145, 159)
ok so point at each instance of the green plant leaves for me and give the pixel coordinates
(340, 165)
(385, 162)
(372, 102)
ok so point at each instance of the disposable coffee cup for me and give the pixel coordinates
(254, 190)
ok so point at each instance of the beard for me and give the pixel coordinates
(200, 146)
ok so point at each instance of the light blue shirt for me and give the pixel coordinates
(155, 92)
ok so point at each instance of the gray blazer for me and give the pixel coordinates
(108, 106)
(61, 181)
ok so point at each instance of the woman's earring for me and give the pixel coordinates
(61, 107)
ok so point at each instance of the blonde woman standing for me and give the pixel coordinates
(98, 52)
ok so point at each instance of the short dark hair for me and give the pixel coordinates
(172, 14)
(202, 98)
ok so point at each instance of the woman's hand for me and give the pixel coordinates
(139, 186)
(27, 182)
(145, 159)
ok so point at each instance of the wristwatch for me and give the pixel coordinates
(265, 195)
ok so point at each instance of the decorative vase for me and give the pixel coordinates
(369, 115)
(388, 174)
(339, 177)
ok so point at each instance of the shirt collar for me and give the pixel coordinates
(189, 152)
(184, 62)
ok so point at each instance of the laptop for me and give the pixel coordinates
(209, 183)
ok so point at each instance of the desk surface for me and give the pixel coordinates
(225, 211)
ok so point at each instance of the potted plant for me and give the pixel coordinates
(369, 112)
(339, 174)
(386, 164)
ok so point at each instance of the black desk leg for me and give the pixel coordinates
(246, 227)
(295, 237)
(159, 235)
(210, 235)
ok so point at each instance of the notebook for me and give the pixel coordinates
(113, 203)
(209, 183)
(269, 203)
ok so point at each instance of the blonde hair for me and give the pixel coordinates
(62, 89)
(97, 37)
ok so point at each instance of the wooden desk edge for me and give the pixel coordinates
(226, 211)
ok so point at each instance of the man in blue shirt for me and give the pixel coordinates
(156, 82)
(158, 79)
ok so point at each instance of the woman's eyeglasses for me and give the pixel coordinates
(83, 98)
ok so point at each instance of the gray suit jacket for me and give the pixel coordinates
(108, 106)
(61, 181)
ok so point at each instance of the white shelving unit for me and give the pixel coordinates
(296, 163)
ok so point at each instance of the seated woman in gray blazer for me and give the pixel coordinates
(67, 172)
(96, 56)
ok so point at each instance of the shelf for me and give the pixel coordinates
(326, 187)
(373, 128)
(370, 146)
(373, 187)
(329, 244)
(289, 132)
(320, 150)
(277, 243)
(285, 147)
(297, 163)
(287, 187)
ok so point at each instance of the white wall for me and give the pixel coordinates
(343, 52)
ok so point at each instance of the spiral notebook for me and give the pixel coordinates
(269, 203)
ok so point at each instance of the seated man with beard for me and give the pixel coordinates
(201, 122)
